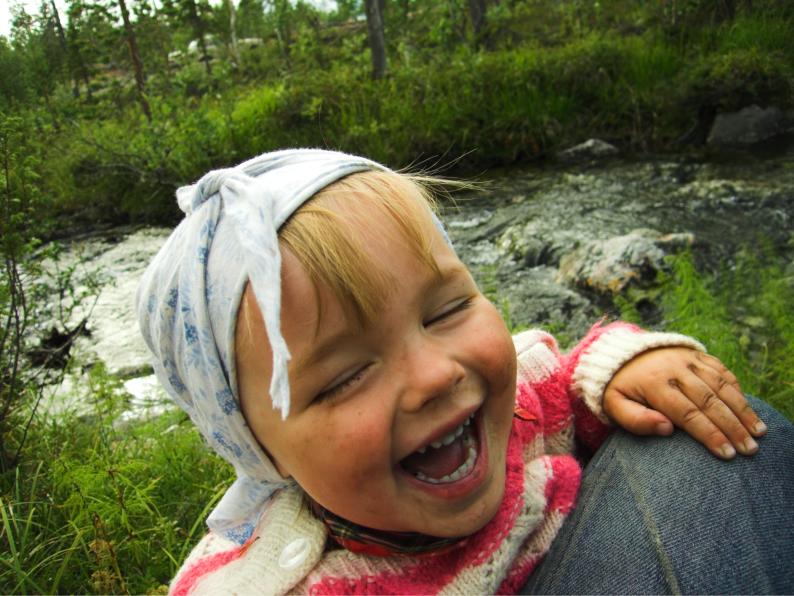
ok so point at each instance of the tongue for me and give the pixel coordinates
(437, 463)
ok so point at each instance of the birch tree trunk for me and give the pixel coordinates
(233, 33)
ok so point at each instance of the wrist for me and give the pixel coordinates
(607, 354)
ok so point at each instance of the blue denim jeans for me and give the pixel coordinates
(662, 515)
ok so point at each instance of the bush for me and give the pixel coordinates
(105, 507)
(738, 78)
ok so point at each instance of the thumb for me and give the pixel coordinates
(634, 416)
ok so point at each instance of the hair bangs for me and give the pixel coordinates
(321, 235)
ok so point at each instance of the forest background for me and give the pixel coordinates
(105, 110)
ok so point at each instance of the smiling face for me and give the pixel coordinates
(398, 421)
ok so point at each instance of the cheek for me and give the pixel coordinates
(345, 447)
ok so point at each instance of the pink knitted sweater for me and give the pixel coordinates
(558, 397)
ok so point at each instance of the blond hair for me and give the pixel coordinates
(320, 236)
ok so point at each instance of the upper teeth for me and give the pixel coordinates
(448, 439)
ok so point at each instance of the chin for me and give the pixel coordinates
(480, 513)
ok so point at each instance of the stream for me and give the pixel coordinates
(550, 246)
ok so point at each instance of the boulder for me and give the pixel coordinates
(608, 266)
(533, 298)
(533, 243)
(747, 126)
(589, 150)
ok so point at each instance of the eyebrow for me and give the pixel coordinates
(350, 330)
(323, 350)
(450, 272)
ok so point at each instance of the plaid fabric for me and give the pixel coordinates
(360, 539)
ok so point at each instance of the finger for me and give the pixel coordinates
(716, 364)
(723, 382)
(688, 416)
(716, 410)
(634, 416)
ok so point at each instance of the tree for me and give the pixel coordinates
(19, 199)
(477, 11)
(13, 82)
(36, 73)
(64, 46)
(199, 30)
(250, 18)
(281, 12)
(377, 39)
(225, 23)
(233, 30)
(153, 36)
(92, 38)
(137, 64)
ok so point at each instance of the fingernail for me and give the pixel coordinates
(759, 427)
(727, 451)
(749, 446)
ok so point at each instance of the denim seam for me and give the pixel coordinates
(650, 525)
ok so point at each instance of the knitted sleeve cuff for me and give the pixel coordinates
(599, 363)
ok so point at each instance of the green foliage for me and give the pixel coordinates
(20, 200)
(736, 78)
(131, 168)
(548, 75)
(742, 314)
(102, 505)
(20, 164)
(691, 307)
(254, 117)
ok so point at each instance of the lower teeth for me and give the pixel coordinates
(464, 470)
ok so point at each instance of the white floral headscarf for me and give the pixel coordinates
(189, 296)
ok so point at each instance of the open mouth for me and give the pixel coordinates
(448, 459)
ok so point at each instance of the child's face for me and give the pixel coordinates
(438, 361)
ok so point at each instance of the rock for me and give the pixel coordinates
(534, 244)
(589, 150)
(535, 299)
(609, 266)
(471, 222)
(745, 127)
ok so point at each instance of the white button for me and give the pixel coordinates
(294, 553)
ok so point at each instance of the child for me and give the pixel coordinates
(388, 434)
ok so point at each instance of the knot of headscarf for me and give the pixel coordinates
(191, 197)
(189, 297)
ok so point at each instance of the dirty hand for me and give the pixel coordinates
(686, 388)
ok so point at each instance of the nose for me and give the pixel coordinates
(431, 372)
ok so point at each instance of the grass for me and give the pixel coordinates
(103, 508)
(742, 314)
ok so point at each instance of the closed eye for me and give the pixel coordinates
(341, 385)
(449, 310)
